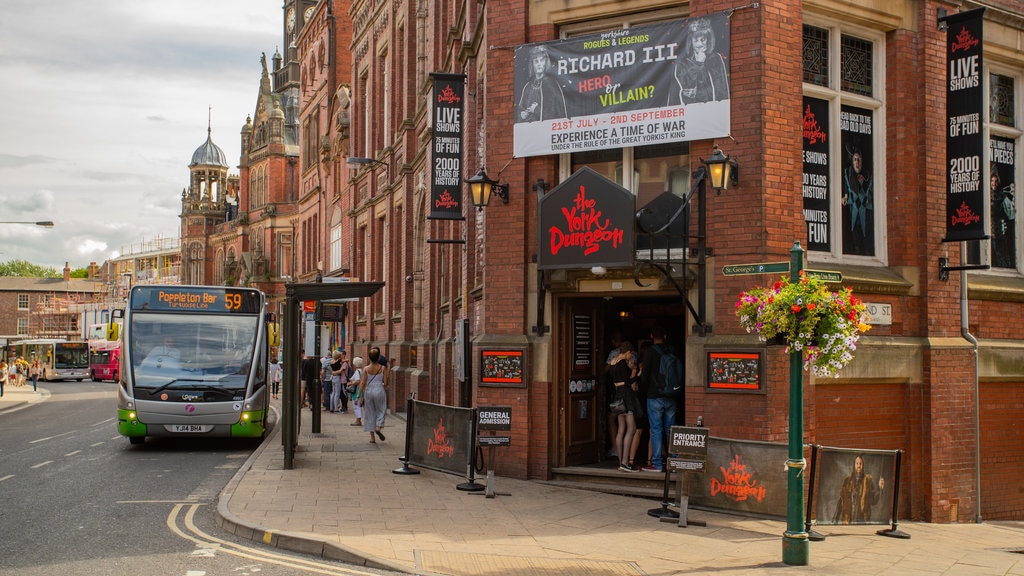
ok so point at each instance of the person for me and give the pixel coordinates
(858, 206)
(163, 352)
(274, 375)
(12, 373)
(354, 381)
(700, 74)
(640, 415)
(372, 395)
(613, 419)
(326, 382)
(857, 495)
(3, 376)
(623, 375)
(308, 370)
(339, 400)
(33, 371)
(542, 98)
(661, 411)
(1004, 215)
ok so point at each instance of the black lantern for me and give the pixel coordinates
(721, 170)
(481, 187)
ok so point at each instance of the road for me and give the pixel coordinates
(79, 500)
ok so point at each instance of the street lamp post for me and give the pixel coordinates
(795, 543)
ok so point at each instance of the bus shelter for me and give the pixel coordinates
(295, 295)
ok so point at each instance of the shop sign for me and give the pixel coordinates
(586, 221)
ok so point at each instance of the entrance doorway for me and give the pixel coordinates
(586, 326)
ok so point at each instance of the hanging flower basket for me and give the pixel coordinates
(807, 317)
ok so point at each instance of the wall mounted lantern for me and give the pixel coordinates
(721, 170)
(481, 187)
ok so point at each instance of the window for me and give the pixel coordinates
(22, 301)
(336, 245)
(843, 142)
(1003, 141)
(23, 327)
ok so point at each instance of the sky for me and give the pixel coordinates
(106, 100)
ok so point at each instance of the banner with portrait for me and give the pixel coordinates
(854, 486)
(652, 84)
(1002, 196)
(856, 128)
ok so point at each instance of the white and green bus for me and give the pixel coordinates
(58, 358)
(193, 363)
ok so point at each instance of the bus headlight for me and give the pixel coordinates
(131, 416)
(245, 416)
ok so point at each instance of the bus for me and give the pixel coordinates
(193, 363)
(58, 358)
(104, 360)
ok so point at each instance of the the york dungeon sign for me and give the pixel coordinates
(586, 221)
(446, 145)
(657, 83)
(965, 146)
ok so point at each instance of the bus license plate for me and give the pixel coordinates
(188, 428)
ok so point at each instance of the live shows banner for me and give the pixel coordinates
(446, 145)
(442, 437)
(854, 486)
(652, 84)
(965, 145)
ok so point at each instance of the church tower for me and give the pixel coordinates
(203, 206)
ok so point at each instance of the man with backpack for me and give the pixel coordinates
(661, 377)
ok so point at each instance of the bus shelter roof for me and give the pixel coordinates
(318, 291)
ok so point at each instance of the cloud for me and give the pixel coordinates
(109, 100)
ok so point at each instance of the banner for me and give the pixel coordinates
(1002, 186)
(446, 145)
(816, 185)
(965, 145)
(856, 126)
(652, 84)
(585, 221)
(443, 437)
(854, 486)
(743, 476)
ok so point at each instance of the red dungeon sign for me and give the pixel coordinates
(586, 221)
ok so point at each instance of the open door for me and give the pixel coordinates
(579, 384)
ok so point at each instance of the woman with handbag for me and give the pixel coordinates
(623, 375)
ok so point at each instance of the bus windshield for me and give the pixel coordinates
(201, 352)
(71, 355)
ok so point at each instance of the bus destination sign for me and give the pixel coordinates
(208, 299)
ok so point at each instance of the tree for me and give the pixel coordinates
(27, 269)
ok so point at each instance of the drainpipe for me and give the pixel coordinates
(966, 333)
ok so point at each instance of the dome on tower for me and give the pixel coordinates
(209, 154)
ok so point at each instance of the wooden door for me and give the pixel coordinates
(578, 381)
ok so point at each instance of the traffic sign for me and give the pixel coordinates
(757, 268)
(825, 275)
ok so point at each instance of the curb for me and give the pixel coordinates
(300, 542)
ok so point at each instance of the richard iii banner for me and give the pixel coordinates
(658, 83)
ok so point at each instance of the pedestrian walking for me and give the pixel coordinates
(274, 375)
(3, 377)
(373, 394)
(33, 372)
(353, 383)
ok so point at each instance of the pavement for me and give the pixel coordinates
(17, 397)
(342, 500)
